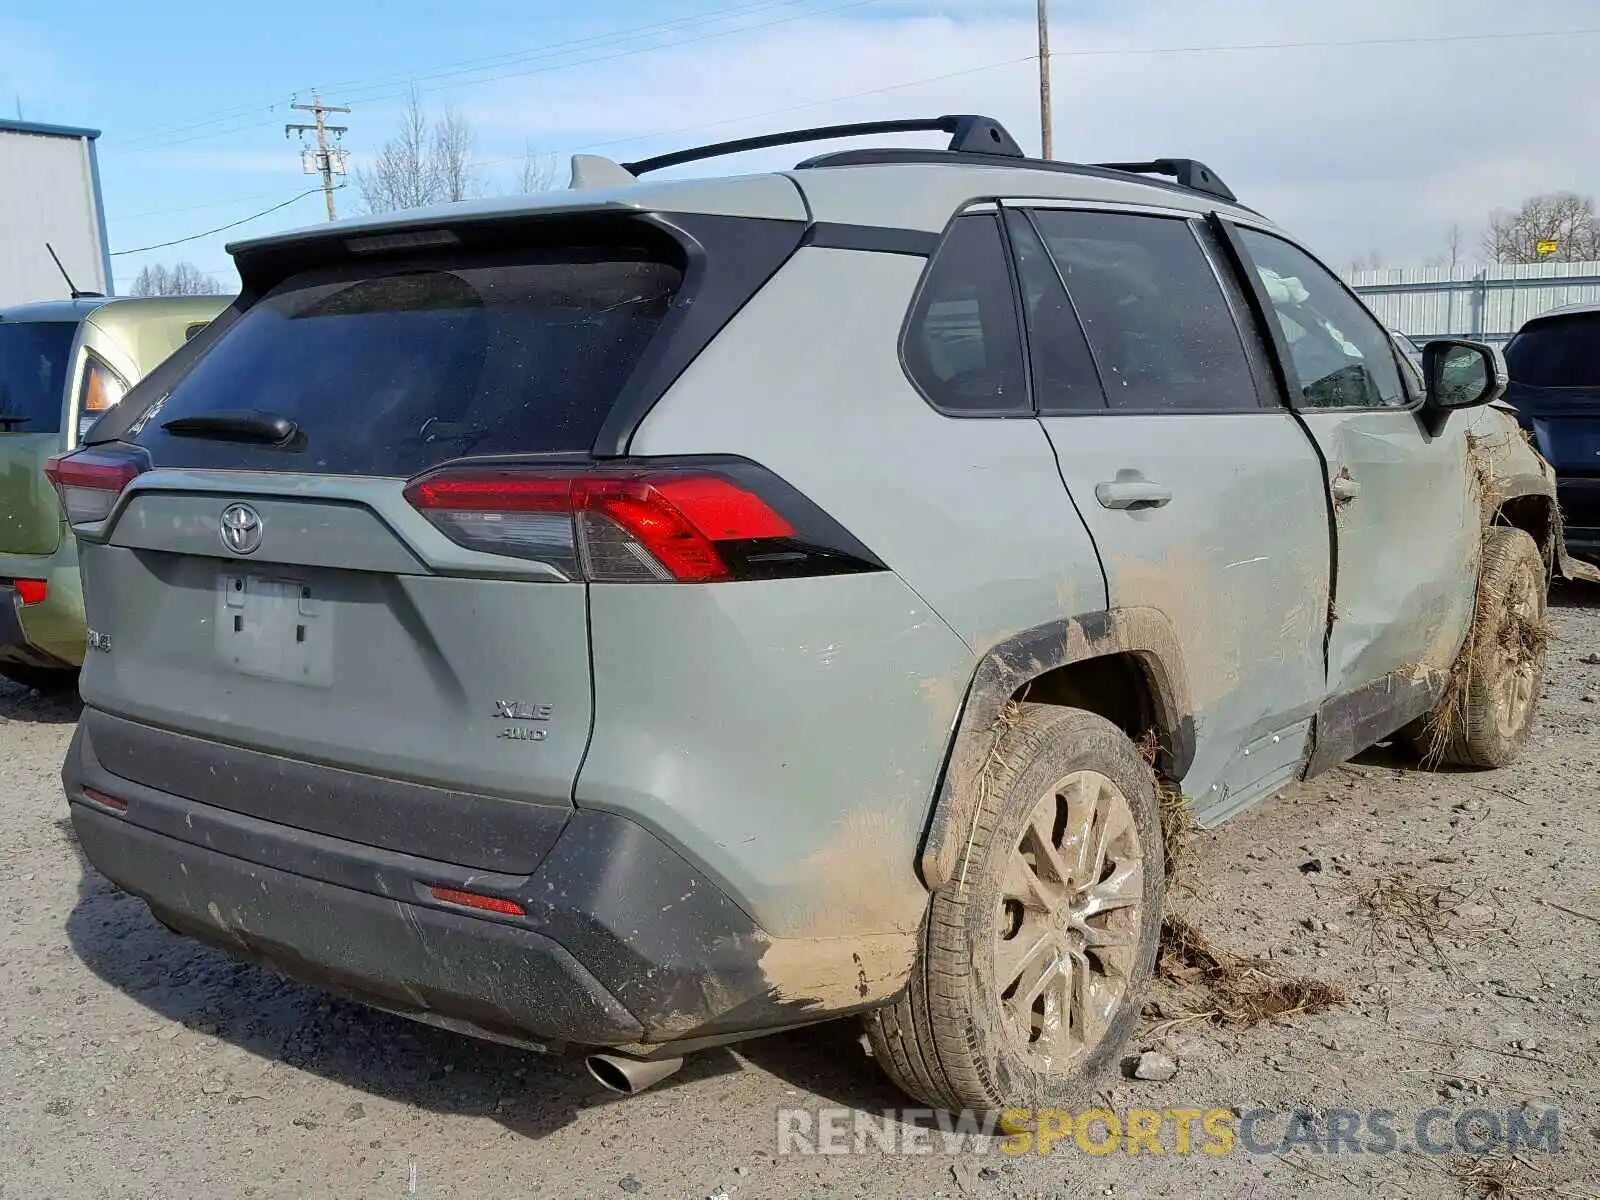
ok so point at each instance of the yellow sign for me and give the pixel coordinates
(1547, 246)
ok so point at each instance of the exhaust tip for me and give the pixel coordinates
(629, 1076)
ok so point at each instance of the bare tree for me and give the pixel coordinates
(537, 173)
(182, 279)
(1452, 244)
(455, 176)
(426, 162)
(1565, 218)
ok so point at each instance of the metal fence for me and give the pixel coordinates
(1488, 304)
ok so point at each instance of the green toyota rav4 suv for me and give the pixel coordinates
(62, 365)
(652, 615)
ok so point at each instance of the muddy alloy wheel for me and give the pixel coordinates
(1067, 927)
(1035, 951)
(1488, 711)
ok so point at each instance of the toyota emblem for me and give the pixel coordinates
(241, 529)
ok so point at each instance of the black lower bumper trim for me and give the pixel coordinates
(397, 955)
(623, 941)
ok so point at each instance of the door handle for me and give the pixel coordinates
(1344, 488)
(1132, 494)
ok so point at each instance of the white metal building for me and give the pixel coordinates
(50, 193)
(1488, 304)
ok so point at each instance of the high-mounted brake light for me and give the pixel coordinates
(89, 482)
(666, 525)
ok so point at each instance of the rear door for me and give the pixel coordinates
(1203, 494)
(35, 365)
(1407, 524)
(281, 594)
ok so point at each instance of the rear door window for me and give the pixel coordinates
(1154, 312)
(1563, 352)
(390, 370)
(35, 358)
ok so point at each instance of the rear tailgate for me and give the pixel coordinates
(340, 641)
(284, 598)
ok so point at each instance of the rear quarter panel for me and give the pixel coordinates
(801, 726)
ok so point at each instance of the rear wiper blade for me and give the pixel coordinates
(234, 425)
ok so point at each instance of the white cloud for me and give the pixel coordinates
(1357, 148)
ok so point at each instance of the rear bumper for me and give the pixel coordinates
(1579, 497)
(624, 943)
(48, 635)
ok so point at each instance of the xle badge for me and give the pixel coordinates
(521, 710)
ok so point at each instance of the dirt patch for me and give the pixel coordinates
(1178, 824)
(1213, 986)
(1502, 1177)
(1418, 920)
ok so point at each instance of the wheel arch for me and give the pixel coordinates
(1043, 663)
(1527, 503)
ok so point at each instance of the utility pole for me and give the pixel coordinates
(1046, 132)
(329, 161)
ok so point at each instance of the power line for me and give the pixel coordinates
(554, 49)
(551, 50)
(194, 237)
(1420, 39)
(779, 112)
(852, 4)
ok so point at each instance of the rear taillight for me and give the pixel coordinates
(89, 482)
(32, 591)
(640, 524)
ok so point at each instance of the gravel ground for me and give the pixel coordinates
(136, 1064)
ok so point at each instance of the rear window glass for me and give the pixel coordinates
(34, 359)
(1563, 352)
(391, 371)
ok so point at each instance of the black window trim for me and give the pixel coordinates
(1025, 214)
(1244, 265)
(978, 209)
(1189, 219)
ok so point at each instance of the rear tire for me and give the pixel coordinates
(1493, 698)
(1037, 949)
(47, 681)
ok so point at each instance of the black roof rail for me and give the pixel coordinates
(1189, 172)
(969, 134)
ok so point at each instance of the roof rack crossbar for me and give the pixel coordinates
(969, 134)
(1189, 172)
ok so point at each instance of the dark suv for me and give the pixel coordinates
(1554, 363)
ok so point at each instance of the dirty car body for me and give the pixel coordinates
(63, 364)
(581, 620)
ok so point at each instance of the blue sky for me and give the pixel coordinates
(1370, 148)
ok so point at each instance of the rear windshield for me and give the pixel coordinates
(34, 359)
(389, 371)
(1563, 352)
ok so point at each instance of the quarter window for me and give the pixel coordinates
(963, 346)
(1155, 316)
(1342, 357)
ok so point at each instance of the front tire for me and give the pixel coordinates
(1036, 951)
(1489, 708)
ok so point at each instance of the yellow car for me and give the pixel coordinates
(62, 365)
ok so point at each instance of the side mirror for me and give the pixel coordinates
(1459, 374)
